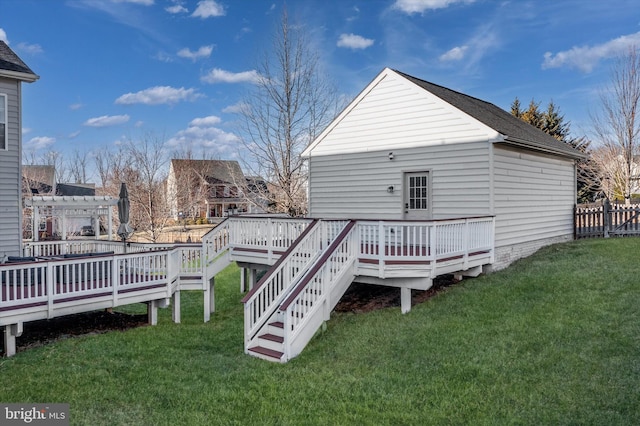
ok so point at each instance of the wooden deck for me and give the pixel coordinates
(309, 263)
(62, 283)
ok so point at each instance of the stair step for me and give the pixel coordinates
(272, 337)
(268, 354)
(278, 324)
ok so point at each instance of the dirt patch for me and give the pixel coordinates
(361, 298)
(43, 332)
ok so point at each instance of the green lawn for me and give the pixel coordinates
(554, 339)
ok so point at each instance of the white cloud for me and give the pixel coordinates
(75, 106)
(3, 36)
(31, 49)
(202, 132)
(455, 54)
(38, 143)
(208, 9)
(74, 134)
(420, 6)
(217, 75)
(177, 8)
(140, 2)
(205, 121)
(353, 41)
(159, 95)
(25, 130)
(235, 108)
(585, 58)
(203, 52)
(107, 120)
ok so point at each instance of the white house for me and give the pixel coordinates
(408, 149)
(12, 73)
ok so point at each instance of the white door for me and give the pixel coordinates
(417, 196)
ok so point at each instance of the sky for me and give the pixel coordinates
(114, 70)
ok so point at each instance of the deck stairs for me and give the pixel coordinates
(292, 301)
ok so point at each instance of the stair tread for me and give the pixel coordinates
(267, 352)
(278, 324)
(272, 337)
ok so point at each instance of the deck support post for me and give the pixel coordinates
(11, 331)
(252, 278)
(210, 299)
(152, 312)
(175, 307)
(405, 299)
(243, 280)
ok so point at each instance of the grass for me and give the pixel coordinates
(554, 339)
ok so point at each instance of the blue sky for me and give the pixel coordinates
(112, 70)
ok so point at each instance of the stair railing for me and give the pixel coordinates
(264, 297)
(313, 291)
(263, 300)
(215, 242)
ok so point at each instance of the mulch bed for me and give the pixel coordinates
(359, 298)
(43, 332)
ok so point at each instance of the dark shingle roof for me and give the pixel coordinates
(515, 130)
(9, 61)
(223, 171)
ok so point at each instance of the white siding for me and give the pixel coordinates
(394, 112)
(10, 194)
(534, 197)
(355, 185)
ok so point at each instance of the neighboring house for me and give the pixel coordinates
(408, 149)
(207, 189)
(13, 72)
(38, 179)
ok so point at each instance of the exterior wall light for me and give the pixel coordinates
(390, 189)
(391, 156)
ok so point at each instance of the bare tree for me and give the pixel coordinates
(145, 177)
(78, 166)
(290, 105)
(617, 126)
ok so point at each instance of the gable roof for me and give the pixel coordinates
(224, 171)
(12, 66)
(514, 130)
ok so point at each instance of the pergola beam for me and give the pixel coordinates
(64, 207)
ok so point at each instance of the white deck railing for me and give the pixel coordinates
(269, 236)
(37, 286)
(385, 241)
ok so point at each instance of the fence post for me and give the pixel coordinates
(606, 217)
(575, 221)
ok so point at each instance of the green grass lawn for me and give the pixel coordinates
(554, 339)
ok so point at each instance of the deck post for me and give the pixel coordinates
(152, 312)
(405, 299)
(175, 307)
(243, 280)
(11, 331)
(209, 299)
(252, 278)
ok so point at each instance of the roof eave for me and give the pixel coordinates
(510, 140)
(22, 76)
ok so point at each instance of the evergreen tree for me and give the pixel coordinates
(516, 110)
(552, 122)
(532, 115)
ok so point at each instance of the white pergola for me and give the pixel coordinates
(62, 208)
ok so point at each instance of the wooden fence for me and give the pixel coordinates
(606, 220)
